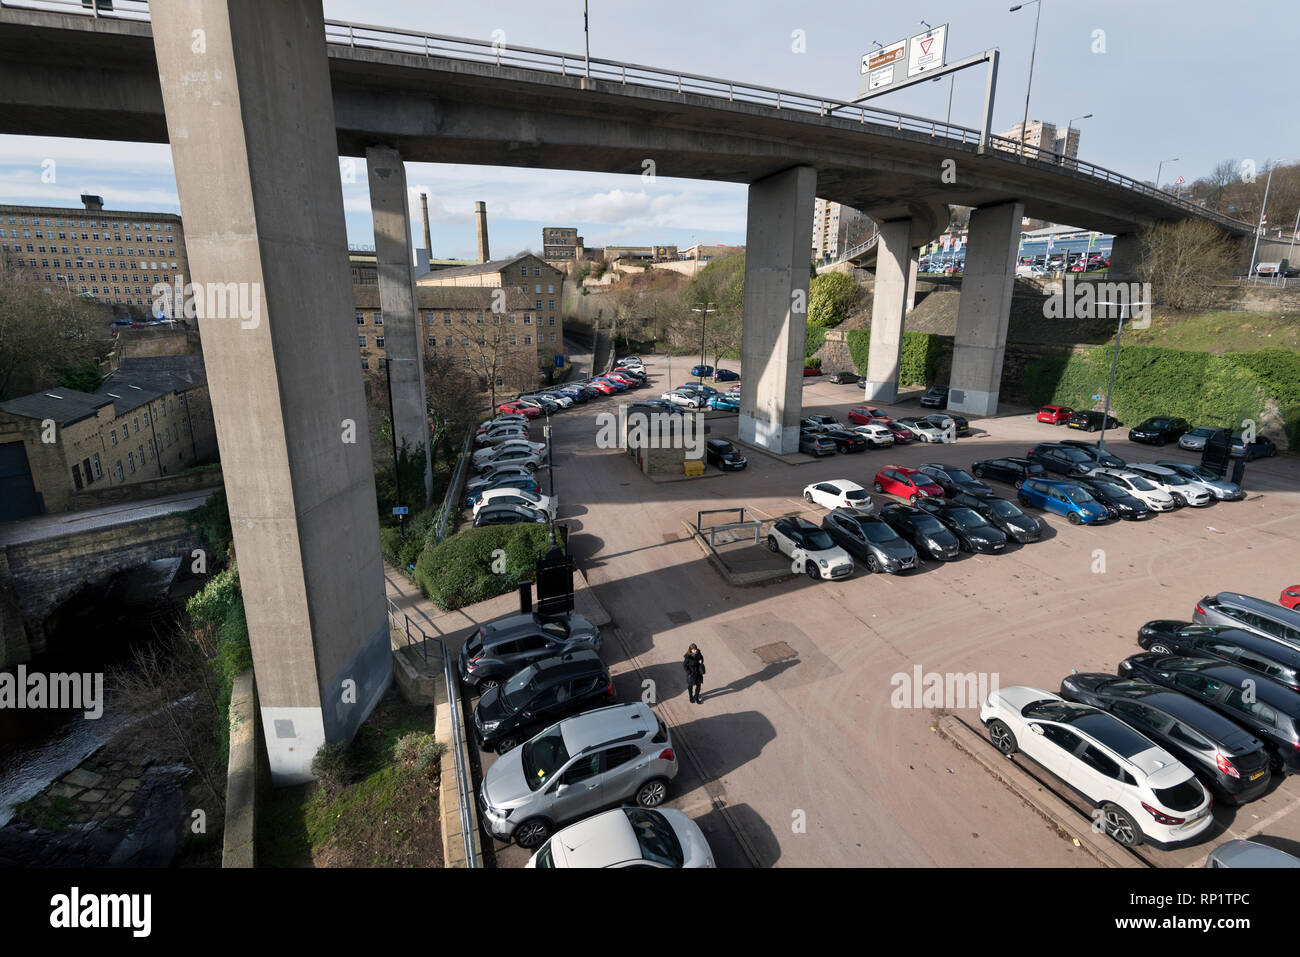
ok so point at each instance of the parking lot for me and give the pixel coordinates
(796, 755)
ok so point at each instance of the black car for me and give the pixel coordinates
(1099, 456)
(539, 695)
(1091, 421)
(1019, 526)
(960, 424)
(1158, 430)
(870, 540)
(1011, 470)
(1266, 709)
(1061, 459)
(936, 398)
(846, 441)
(812, 442)
(1246, 648)
(508, 515)
(502, 647)
(954, 479)
(928, 535)
(972, 529)
(723, 454)
(1116, 499)
(1227, 758)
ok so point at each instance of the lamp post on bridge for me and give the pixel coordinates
(1033, 53)
(1161, 167)
(1065, 147)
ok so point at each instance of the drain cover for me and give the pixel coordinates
(776, 651)
(679, 617)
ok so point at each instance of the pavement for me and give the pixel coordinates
(68, 523)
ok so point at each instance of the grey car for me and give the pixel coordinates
(1250, 854)
(504, 647)
(1254, 614)
(1221, 489)
(576, 767)
(1194, 441)
(868, 539)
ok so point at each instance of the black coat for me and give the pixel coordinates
(694, 665)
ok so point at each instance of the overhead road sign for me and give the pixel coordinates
(882, 67)
(926, 51)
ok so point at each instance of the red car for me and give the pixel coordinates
(907, 483)
(865, 415)
(901, 435)
(1290, 597)
(1055, 414)
(604, 387)
(811, 370)
(530, 411)
(627, 380)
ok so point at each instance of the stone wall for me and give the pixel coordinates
(97, 496)
(245, 775)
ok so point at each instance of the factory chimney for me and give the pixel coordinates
(480, 216)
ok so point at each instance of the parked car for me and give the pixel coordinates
(1090, 421)
(508, 454)
(508, 514)
(1156, 499)
(527, 411)
(725, 375)
(502, 647)
(500, 435)
(1011, 470)
(927, 534)
(1268, 710)
(812, 442)
(702, 371)
(949, 421)
(688, 400)
(1183, 491)
(1255, 614)
(975, 533)
(935, 398)
(1116, 500)
(839, 493)
(820, 422)
(802, 541)
(1142, 791)
(1230, 762)
(907, 483)
(498, 476)
(1096, 456)
(546, 504)
(923, 429)
(845, 378)
(603, 387)
(539, 695)
(812, 370)
(525, 482)
(697, 387)
(1061, 459)
(723, 403)
(1019, 526)
(1063, 498)
(632, 362)
(869, 539)
(724, 455)
(627, 837)
(1240, 853)
(503, 452)
(1158, 430)
(513, 418)
(1055, 414)
(577, 766)
(877, 436)
(846, 440)
(1270, 657)
(1290, 597)
(953, 480)
(1261, 448)
(866, 415)
(1220, 488)
(1193, 440)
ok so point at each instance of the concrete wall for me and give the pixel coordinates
(245, 775)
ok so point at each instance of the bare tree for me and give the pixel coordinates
(1184, 261)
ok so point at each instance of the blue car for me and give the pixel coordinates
(726, 375)
(724, 403)
(705, 371)
(1064, 498)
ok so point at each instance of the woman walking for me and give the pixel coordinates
(693, 662)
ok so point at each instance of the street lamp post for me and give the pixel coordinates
(1114, 362)
(586, 39)
(1263, 209)
(1161, 167)
(1065, 147)
(1033, 53)
(704, 318)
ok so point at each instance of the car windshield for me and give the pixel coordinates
(960, 475)
(1181, 797)
(517, 692)
(927, 524)
(878, 532)
(543, 756)
(1004, 509)
(1201, 472)
(966, 518)
(656, 837)
(1173, 478)
(817, 540)
(1141, 484)
(1075, 455)
(724, 448)
(1077, 495)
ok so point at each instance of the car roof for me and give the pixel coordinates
(599, 841)
(592, 729)
(1272, 609)
(1272, 693)
(845, 484)
(574, 662)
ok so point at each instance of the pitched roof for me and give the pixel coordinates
(64, 406)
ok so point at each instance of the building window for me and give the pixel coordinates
(552, 304)
(98, 471)
(130, 460)
(76, 477)
(528, 318)
(512, 341)
(379, 318)
(361, 319)
(383, 363)
(362, 341)
(136, 420)
(446, 318)
(118, 468)
(528, 340)
(365, 364)
(379, 342)
(538, 289)
(537, 270)
(433, 342)
(552, 320)
(112, 434)
(539, 305)
(550, 288)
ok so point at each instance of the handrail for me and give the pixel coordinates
(452, 496)
(427, 45)
(460, 759)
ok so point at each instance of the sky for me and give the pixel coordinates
(1196, 80)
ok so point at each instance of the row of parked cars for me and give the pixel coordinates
(568, 749)
(871, 428)
(1157, 430)
(1209, 710)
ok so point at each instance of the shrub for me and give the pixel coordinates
(420, 750)
(1278, 373)
(333, 766)
(859, 342)
(459, 570)
(815, 340)
(918, 359)
(212, 521)
(831, 297)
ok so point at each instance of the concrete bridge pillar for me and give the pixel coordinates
(894, 259)
(403, 342)
(246, 90)
(985, 309)
(1125, 257)
(778, 239)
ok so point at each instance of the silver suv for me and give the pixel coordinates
(577, 767)
(1254, 614)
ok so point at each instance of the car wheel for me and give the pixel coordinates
(772, 546)
(486, 685)
(1002, 737)
(508, 743)
(1092, 428)
(1160, 649)
(913, 499)
(873, 566)
(807, 497)
(879, 488)
(1020, 482)
(979, 472)
(1160, 442)
(1120, 826)
(1178, 499)
(652, 793)
(532, 832)
(811, 570)
(1073, 518)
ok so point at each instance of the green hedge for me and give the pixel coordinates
(816, 339)
(1278, 373)
(459, 571)
(918, 359)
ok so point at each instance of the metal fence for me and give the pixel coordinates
(498, 53)
(461, 760)
(450, 501)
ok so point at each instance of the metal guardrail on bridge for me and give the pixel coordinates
(430, 45)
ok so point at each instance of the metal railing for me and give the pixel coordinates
(450, 501)
(342, 33)
(459, 758)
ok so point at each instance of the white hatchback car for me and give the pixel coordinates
(627, 837)
(546, 504)
(877, 435)
(1156, 499)
(1182, 490)
(686, 400)
(923, 430)
(812, 551)
(839, 493)
(1140, 792)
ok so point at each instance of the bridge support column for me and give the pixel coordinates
(986, 286)
(403, 341)
(778, 238)
(894, 258)
(1125, 257)
(286, 391)
(913, 268)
